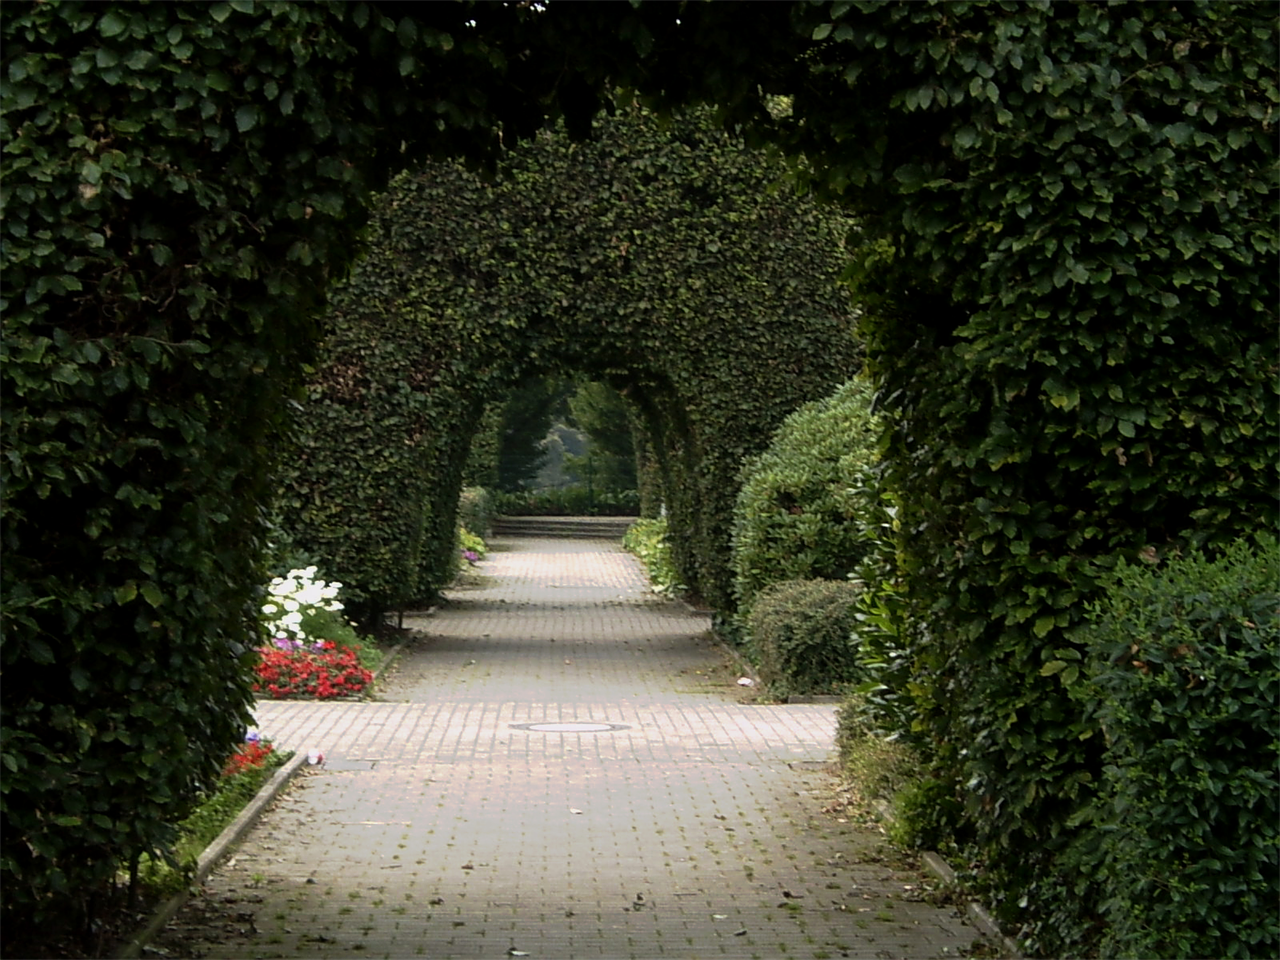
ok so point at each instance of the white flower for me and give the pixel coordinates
(295, 596)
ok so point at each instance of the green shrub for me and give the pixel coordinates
(476, 510)
(797, 514)
(647, 539)
(468, 542)
(1186, 679)
(925, 812)
(801, 634)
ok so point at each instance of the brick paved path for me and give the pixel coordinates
(441, 827)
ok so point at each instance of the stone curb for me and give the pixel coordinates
(943, 872)
(213, 853)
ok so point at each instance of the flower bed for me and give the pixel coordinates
(329, 672)
(246, 770)
(312, 651)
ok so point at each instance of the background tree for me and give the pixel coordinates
(527, 414)
(600, 412)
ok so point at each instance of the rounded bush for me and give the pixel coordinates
(798, 512)
(801, 633)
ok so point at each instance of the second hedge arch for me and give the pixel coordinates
(662, 260)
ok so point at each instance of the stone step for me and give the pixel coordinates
(583, 528)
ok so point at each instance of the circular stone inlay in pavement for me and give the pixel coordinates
(570, 727)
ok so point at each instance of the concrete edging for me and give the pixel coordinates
(943, 872)
(213, 853)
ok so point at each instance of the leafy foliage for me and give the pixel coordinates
(647, 539)
(1184, 670)
(571, 501)
(476, 510)
(1070, 277)
(528, 413)
(250, 767)
(1067, 249)
(797, 514)
(180, 183)
(802, 637)
(659, 261)
(600, 412)
(158, 285)
(872, 766)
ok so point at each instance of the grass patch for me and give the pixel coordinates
(204, 826)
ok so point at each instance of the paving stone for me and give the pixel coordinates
(691, 827)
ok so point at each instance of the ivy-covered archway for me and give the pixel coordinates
(665, 259)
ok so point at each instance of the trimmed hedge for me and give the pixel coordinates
(174, 203)
(1068, 266)
(1184, 673)
(571, 501)
(798, 512)
(657, 259)
(802, 637)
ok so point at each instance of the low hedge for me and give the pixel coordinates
(575, 501)
(801, 634)
(1185, 680)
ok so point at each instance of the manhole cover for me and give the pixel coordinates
(572, 727)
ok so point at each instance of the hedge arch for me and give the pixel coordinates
(1072, 275)
(661, 258)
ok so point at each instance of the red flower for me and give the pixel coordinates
(247, 755)
(330, 672)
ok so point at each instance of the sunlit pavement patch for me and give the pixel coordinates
(572, 727)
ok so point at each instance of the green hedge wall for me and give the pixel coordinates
(1070, 274)
(179, 182)
(660, 261)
